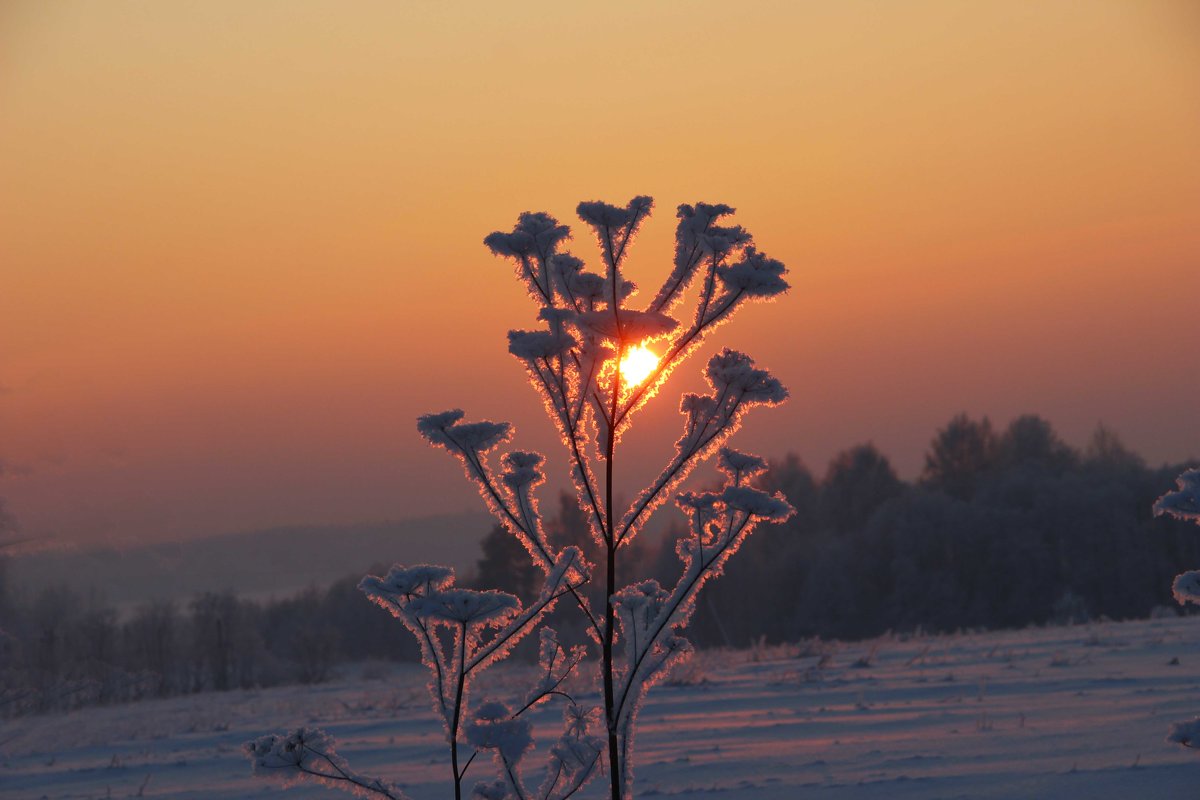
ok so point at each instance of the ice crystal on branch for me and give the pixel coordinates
(308, 753)
(604, 217)
(1186, 733)
(532, 244)
(652, 618)
(1184, 503)
(537, 345)
(694, 223)
(627, 327)
(739, 466)
(424, 599)
(466, 606)
(281, 752)
(445, 430)
(755, 275)
(494, 729)
(555, 663)
(587, 360)
(737, 385)
(1186, 587)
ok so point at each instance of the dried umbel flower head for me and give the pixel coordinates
(1184, 502)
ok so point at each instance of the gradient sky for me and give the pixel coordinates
(240, 243)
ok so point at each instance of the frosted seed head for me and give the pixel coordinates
(578, 720)
(699, 216)
(481, 436)
(628, 289)
(434, 426)
(402, 580)
(466, 606)
(1185, 733)
(445, 430)
(755, 275)
(730, 369)
(492, 729)
(757, 503)
(702, 502)
(1184, 503)
(697, 405)
(733, 462)
(565, 264)
(728, 366)
(647, 594)
(1186, 588)
(610, 222)
(719, 241)
(587, 286)
(490, 790)
(543, 229)
(275, 751)
(640, 205)
(534, 345)
(634, 326)
(522, 470)
(509, 245)
(492, 711)
(765, 388)
(603, 215)
(520, 459)
(570, 567)
(557, 317)
(534, 233)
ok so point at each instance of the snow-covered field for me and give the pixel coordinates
(1061, 712)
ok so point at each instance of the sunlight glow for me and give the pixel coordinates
(637, 364)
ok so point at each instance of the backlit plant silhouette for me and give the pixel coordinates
(593, 365)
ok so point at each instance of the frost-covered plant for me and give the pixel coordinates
(1184, 503)
(580, 362)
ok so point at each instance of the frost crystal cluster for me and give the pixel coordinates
(1184, 503)
(574, 360)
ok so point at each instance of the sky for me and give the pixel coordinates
(240, 243)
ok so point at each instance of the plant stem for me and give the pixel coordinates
(614, 767)
(614, 751)
(458, 694)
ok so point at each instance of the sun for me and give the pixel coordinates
(637, 364)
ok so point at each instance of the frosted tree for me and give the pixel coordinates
(595, 362)
(1184, 503)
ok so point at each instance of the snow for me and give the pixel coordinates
(1060, 712)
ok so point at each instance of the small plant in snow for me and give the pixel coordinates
(594, 367)
(1184, 503)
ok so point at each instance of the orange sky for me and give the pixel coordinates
(240, 243)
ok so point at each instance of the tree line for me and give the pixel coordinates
(1003, 528)
(63, 650)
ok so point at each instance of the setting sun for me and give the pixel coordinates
(637, 364)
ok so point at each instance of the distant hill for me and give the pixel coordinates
(276, 561)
